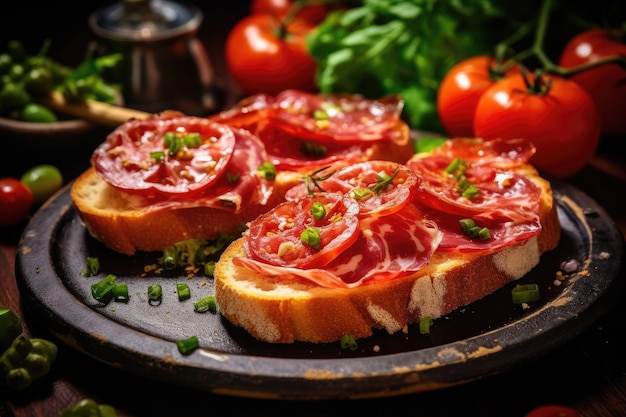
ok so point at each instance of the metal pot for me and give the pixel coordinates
(164, 65)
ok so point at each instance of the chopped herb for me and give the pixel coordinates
(457, 168)
(311, 236)
(360, 193)
(383, 180)
(209, 268)
(313, 149)
(155, 294)
(184, 293)
(232, 178)
(157, 155)
(525, 293)
(318, 211)
(267, 170)
(425, 324)
(469, 227)
(92, 267)
(313, 181)
(120, 293)
(188, 346)
(348, 342)
(103, 289)
(205, 304)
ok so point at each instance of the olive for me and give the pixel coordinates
(43, 181)
(38, 81)
(13, 96)
(37, 113)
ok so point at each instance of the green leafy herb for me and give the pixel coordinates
(405, 47)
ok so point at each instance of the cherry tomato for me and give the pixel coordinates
(553, 411)
(460, 90)
(561, 120)
(606, 83)
(42, 181)
(16, 201)
(264, 57)
(314, 13)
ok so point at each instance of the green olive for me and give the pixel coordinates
(37, 113)
(38, 81)
(12, 97)
(43, 181)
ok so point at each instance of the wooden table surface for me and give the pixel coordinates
(587, 373)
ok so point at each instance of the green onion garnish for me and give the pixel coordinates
(184, 293)
(348, 342)
(103, 289)
(525, 293)
(469, 227)
(311, 236)
(267, 170)
(92, 267)
(205, 304)
(318, 211)
(120, 293)
(155, 293)
(188, 346)
(425, 323)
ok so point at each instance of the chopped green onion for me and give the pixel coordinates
(425, 323)
(267, 170)
(120, 293)
(184, 293)
(188, 346)
(192, 140)
(311, 236)
(525, 293)
(456, 164)
(103, 289)
(209, 268)
(361, 193)
(348, 342)
(313, 149)
(155, 293)
(171, 256)
(205, 304)
(232, 178)
(383, 180)
(157, 155)
(469, 227)
(92, 267)
(318, 211)
(320, 114)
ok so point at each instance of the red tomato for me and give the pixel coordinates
(314, 13)
(264, 58)
(606, 83)
(16, 201)
(460, 90)
(562, 121)
(553, 411)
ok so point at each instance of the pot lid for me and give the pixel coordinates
(145, 20)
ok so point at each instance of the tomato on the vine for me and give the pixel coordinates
(313, 13)
(607, 82)
(460, 89)
(16, 201)
(265, 56)
(553, 411)
(557, 115)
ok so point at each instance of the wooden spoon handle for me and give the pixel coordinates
(94, 111)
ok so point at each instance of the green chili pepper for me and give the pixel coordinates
(25, 361)
(89, 408)
(10, 328)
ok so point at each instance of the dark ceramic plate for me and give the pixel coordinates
(487, 337)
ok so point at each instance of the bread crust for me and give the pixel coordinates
(280, 310)
(109, 216)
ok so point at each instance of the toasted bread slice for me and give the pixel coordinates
(280, 310)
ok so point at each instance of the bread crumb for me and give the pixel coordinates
(557, 282)
(604, 255)
(376, 348)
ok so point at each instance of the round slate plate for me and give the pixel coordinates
(484, 338)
